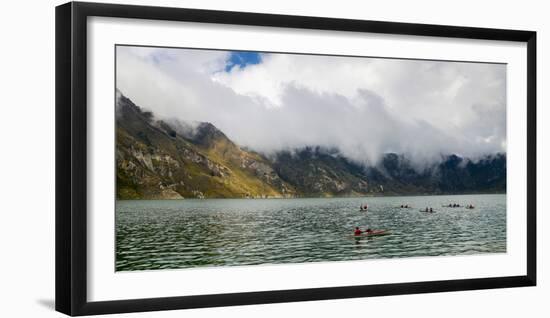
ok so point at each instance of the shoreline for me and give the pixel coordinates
(315, 197)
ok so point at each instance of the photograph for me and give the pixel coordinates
(234, 158)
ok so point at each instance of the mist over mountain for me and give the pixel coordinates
(174, 159)
(364, 106)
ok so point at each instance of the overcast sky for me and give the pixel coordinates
(363, 106)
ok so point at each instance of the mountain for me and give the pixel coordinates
(318, 172)
(154, 161)
(159, 159)
(321, 172)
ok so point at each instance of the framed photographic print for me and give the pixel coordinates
(211, 158)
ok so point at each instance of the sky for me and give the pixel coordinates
(365, 107)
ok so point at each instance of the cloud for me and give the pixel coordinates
(363, 106)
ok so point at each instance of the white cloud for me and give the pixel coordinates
(363, 106)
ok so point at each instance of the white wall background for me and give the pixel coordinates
(27, 158)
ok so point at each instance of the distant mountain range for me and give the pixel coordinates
(172, 160)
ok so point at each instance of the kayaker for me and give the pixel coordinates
(368, 231)
(357, 231)
(431, 210)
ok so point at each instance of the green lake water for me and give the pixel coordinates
(168, 234)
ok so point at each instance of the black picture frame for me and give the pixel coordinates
(71, 157)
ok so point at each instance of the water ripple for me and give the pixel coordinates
(190, 233)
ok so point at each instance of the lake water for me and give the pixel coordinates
(164, 234)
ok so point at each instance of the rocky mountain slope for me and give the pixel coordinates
(319, 172)
(154, 161)
(173, 160)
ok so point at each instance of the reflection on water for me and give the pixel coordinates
(220, 232)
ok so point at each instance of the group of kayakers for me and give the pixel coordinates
(455, 205)
(365, 207)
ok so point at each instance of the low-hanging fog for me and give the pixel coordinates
(364, 107)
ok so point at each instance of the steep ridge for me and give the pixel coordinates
(155, 162)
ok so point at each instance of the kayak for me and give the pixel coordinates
(433, 211)
(374, 233)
